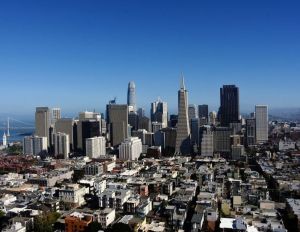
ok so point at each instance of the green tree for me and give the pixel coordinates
(120, 227)
(45, 222)
(94, 227)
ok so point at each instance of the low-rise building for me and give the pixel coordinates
(77, 222)
(73, 194)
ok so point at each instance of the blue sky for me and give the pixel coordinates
(79, 54)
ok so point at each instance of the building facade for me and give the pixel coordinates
(131, 97)
(61, 144)
(117, 118)
(183, 141)
(34, 145)
(262, 123)
(95, 147)
(159, 112)
(130, 149)
(43, 122)
(229, 109)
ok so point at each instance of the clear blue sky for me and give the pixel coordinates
(79, 54)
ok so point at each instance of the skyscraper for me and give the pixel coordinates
(250, 132)
(42, 122)
(229, 109)
(141, 112)
(61, 144)
(118, 123)
(203, 111)
(67, 126)
(261, 123)
(192, 111)
(34, 145)
(159, 112)
(133, 120)
(131, 100)
(183, 141)
(56, 114)
(94, 118)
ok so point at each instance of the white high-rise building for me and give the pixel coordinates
(34, 145)
(55, 114)
(95, 147)
(130, 149)
(261, 123)
(61, 144)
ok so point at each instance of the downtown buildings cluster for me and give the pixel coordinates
(124, 171)
(127, 130)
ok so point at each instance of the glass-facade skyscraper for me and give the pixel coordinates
(230, 108)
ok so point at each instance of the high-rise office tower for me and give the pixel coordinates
(192, 111)
(183, 141)
(144, 123)
(141, 112)
(130, 149)
(213, 117)
(262, 124)
(203, 111)
(131, 99)
(90, 129)
(95, 147)
(222, 140)
(34, 145)
(56, 114)
(250, 132)
(195, 131)
(141, 133)
(159, 112)
(133, 120)
(95, 119)
(61, 144)
(67, 126)
(173, 120)
(229, 109)
(156, 126)
(206, 141)
(43, 122)
(118, 123)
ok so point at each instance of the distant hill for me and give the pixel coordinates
(290, 114)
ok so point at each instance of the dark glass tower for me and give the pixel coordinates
(229, 109)
(203, 111)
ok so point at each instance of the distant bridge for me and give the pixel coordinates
(13, 124)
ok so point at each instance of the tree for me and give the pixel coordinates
(3, 220)
(120, 227)
(94, 227)
(44, 223)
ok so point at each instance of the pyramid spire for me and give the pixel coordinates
(182, 86)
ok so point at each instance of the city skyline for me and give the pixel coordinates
(97, 49)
